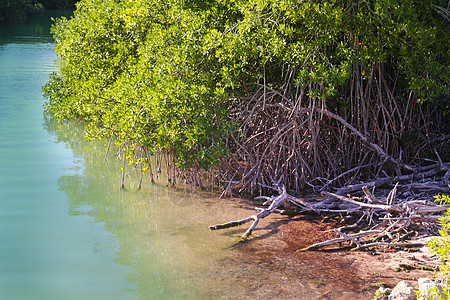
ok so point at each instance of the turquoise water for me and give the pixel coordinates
(44, 252)
(67, 230)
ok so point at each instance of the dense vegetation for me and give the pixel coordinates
(319, 92)
(13, 10)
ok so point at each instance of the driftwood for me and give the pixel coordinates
(397, 218)
(274, 203)
(262, 214)
(385, 180)
(340, 240)
(393, 216)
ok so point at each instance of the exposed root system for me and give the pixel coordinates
(319, 146)
(396, 217)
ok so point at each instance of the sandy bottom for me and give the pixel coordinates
(269, 266)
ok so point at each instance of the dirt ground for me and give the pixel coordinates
(272, 268)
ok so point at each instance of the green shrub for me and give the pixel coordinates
(441, 247)
(164, 74)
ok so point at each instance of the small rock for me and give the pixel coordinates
(403, 291)
(382, 293)
(425, 285)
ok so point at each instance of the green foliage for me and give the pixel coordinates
(134, 70)
(441, 246)
(160, 74)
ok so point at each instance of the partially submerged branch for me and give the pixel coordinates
(362, 204)
(340, 240)
(277, 201)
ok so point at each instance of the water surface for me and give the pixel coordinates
(67, 230)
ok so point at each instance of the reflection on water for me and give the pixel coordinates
(67, 229)
(44, 252)
(162, 232)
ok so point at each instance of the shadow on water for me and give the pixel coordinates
(162, 233)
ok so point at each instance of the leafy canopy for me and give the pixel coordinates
(164, 74)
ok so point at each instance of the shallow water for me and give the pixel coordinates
(67, 230)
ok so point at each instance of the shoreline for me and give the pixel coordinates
(335, 272)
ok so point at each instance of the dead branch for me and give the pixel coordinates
(346, 236)
(386, 180)
(262, 214)
(394, 215)
(339, 240)
(362, 204)
(411, 244)
(398, 218)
